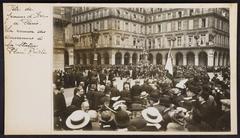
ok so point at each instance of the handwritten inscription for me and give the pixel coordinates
(23, 30)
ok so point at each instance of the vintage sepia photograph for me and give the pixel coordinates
(141, 69)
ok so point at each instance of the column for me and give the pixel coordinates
(224, 59)
(112, 58)
(88, 58)
(184, 59)
(130, 58)
(210, 59)
(174, 59)
(71, 56)
(138, 57)
(122, 61)
(102, 58)
(220, 60)
(216, 60)
(154, 59)
(164, 59)
(81, 59)
(228, 62)
(196, 59)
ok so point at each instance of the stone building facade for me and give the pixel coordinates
(195, 36)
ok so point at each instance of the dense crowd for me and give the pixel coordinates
(187, 101)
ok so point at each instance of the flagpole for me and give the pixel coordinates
(169, 65)
(170, 47)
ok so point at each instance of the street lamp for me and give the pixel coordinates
(95, 37)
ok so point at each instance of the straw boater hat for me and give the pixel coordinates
(77, 120)
(143, 94)
(115, 98)
(118, 104)
(152, 115)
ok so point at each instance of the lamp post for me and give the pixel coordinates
(95, 37)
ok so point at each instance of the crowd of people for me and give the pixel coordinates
(186, 101)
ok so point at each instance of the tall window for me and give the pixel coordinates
(118, 25)
(216, 23)
(179, 41)
(220, 24)
(134, 28)
(105, 24)
(134, 41)
(134, 16)
(101, 25)
(106, 39)
(159, 42)
(179, 25)
(149, 43)
(169, 15)
(190, 12)
(190, 40)
(159, 17)
(118, 40)
(168, 27)
(203, 39)
(180, 14)
(126, 27)
(149, 29)
(159, 28)
(203, 22)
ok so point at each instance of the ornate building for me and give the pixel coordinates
(63, 52)
(196, 36)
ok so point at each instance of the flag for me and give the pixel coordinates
(181, 84)
(169, 65)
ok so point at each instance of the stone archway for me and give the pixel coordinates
(202, 59)
(159, 59)
(150, 58)
(220, 59)
(118, 58)
(179, 59)
(66, 58)
(190, 58)
(126, 58)
(84, 57)
(77, 58)
(106, 58)
(134, 58)
(99, 58)
(91, 58)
